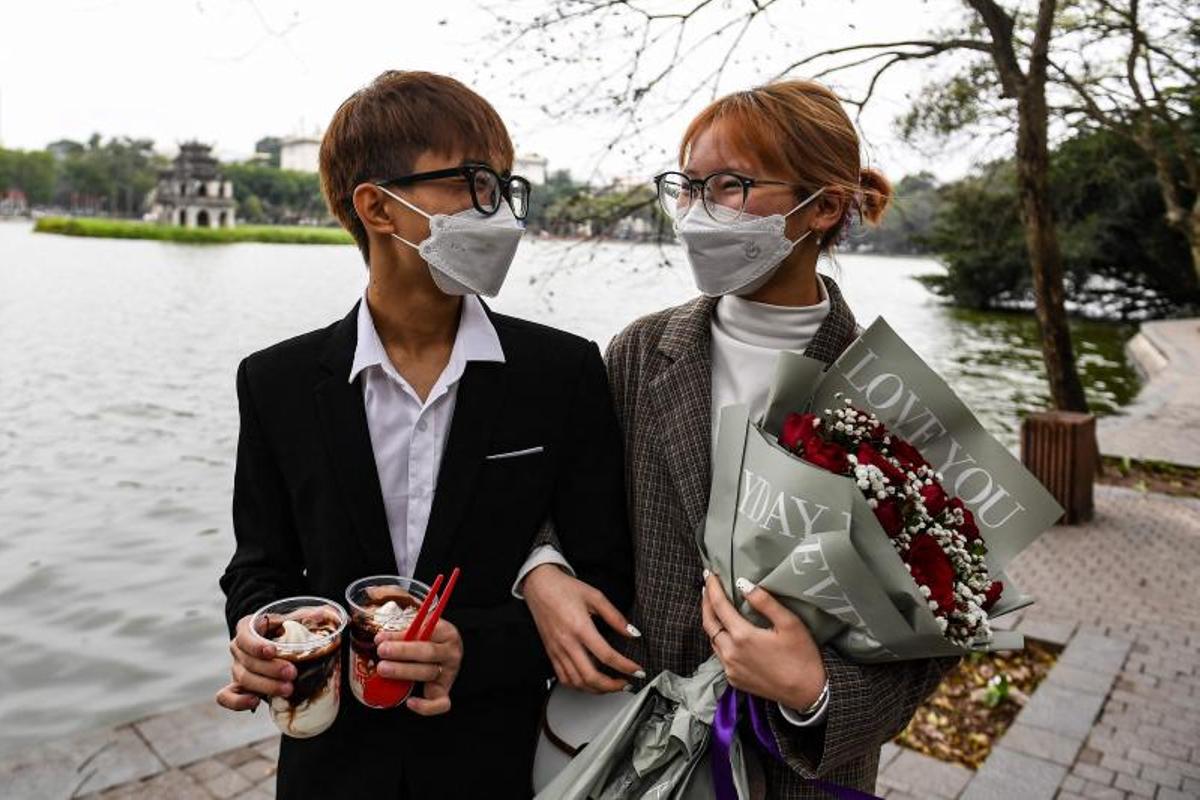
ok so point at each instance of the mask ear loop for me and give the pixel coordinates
(801, 205)
(401, 200)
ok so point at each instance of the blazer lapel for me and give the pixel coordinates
(477, 407)
(837, 330)
(682, 397)
(348, 440)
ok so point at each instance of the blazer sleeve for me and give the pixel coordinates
(588, 507)
(267, 563)
(869, 704)
(587, 523)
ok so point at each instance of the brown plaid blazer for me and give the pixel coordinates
(660, 371)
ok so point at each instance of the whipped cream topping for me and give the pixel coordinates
(296, 633)
(390, 615)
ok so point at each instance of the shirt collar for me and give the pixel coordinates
(476, 340)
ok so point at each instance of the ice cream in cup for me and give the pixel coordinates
(379, 603)
(306, 631)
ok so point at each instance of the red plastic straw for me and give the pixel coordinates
(432, 622)
(415, 626)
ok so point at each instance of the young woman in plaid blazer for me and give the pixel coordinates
(748, 156)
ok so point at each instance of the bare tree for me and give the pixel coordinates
(1006, 49)
(1135, 71)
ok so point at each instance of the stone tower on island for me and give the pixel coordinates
(193, 193)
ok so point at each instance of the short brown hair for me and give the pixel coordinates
(381, 130)
(800, 128)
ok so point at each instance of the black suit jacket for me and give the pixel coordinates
(309, 518)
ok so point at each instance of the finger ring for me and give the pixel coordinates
(718, 633)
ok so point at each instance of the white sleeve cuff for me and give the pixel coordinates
(542, 554)
(804, 721)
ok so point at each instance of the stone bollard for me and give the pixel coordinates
(1059, 447)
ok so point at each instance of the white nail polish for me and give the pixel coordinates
(640, 674)
(633, 631)
(744, 586)
(707, 574)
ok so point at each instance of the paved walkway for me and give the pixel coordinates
(1133, 574)
(1163, 423)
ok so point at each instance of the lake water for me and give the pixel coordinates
(118, 423)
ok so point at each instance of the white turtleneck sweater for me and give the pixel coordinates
(746, 339)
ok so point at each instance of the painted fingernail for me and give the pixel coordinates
(640, 674)
(707, 573)
(633, 631)
(744, 586)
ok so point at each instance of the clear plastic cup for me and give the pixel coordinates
(306, 631)
(368, 600)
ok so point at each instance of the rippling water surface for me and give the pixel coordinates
(118, 423)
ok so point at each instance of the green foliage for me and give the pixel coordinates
(1119, 254)
(29, 171)
(283, 196)
(129, 229)
(907, 223)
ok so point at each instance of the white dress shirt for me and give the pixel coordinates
(408, 436)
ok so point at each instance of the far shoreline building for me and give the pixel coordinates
(300, 153)
(193, 193)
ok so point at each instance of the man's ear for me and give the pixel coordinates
(370, 204)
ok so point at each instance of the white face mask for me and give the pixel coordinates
(468, 252)
(735, 256)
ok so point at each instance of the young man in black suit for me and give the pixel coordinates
(421, 432)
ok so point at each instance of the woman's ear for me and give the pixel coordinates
(370, 204)
(828, 211)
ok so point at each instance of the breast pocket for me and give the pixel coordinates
(517, 471)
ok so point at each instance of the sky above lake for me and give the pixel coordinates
(229, 72)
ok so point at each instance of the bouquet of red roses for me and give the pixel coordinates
(935, 534)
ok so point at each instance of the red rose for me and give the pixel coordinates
(992, 594)
(934, 498)
(869, 456)
(931, 567)
(826, 455)
(908, 455)
(968, 528)
(798, 428)
(890, 516)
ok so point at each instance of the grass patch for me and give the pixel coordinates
(976, 702)
(135, 229)
(1150, 476)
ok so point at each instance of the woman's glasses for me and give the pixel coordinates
(488, 188)
(723, 194)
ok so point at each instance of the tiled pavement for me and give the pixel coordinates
(1119, 717)
(1127, 588)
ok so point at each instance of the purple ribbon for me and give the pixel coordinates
(725, 726)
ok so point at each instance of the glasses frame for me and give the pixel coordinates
(468, 171)
(701, 185)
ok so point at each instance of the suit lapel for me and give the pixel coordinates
(478, 406)
(682, 397)
(348, 440)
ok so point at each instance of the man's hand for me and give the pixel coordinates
(256, 671)
(562, 607)
(435, 662)
(780, 663)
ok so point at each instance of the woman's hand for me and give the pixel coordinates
(434, 662)
(562, 608)
(780, 663)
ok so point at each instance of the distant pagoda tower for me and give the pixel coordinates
(193, 193)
